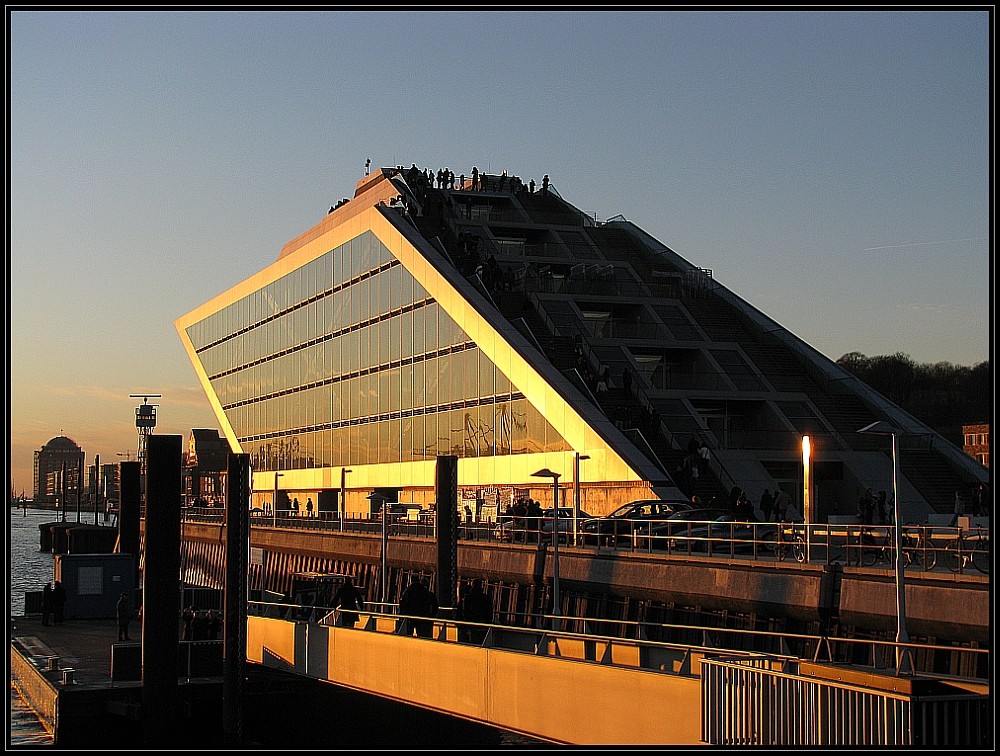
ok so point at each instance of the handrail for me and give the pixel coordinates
(544, 628)
(927, 547)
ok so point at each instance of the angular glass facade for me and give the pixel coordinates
(348, 360)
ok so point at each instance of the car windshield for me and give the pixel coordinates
(645, 508)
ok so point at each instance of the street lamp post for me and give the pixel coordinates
(384, 561)
(807, 513)
(556, 603)
(882, 428)
(343, 494)
(577, 459)
(274, 502)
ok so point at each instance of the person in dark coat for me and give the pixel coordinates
(347, 599)
(187, 618)
(418, 601)
(124, 615)
(47, 603)
(58, 602)
(214, 624)
(477, 607)
(199, 626)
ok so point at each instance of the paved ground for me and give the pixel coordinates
(83, 644)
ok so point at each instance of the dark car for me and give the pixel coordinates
(679, 529)
(617, 528)
(727, 533)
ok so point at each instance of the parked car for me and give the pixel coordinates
(617, 528)
(718, 531)
(530, 529)
(678, 529)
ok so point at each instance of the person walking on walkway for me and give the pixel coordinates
(124, 614)
(477, 607)
(187, 618)
(959, 509)
(58, 602)
(417, 602)
(348, 599)
(782, 501)
(47, 603)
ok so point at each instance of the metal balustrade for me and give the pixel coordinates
(770, 701)
(926, 548)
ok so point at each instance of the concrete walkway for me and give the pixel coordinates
(81, 644)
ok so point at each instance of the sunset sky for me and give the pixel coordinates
(833, 168)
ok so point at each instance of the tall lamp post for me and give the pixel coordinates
(274, 503)
(343, 494)
(556, 603)
(807, 513)
(882, 428)
(384, 561)
(577, 459)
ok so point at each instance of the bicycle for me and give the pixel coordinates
(788, 542)
(918, 549)
(875, 548)
(969, 549)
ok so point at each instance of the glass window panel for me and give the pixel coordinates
(418, 389)
(392, 326)
(404, 330)
(503, 386)
(354, 449)
(395, 379)
(430, 382)
(382, 343)
(419, 438)
(406, 387)
(406, 439)
(380, 293)
(444, 379)
(536, 429)
(518, 427)
(431, 328)
(431, 442)
(470, 373)
(457, 432)
(470, 432)
(348, 349)
(385, 451)
(419, 330)
(382, 392)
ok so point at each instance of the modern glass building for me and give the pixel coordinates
(491, 320)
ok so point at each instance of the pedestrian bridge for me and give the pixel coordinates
(579, 688)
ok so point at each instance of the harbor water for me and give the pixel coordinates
(30, 569)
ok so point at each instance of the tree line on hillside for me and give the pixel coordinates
(942, 395)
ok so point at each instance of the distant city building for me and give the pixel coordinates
(58, 468)
(977, 442)
(107, 485)
(499, 324)
(205, 464)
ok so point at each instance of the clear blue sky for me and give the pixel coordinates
(832, 168)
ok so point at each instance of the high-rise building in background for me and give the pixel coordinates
(487, 318)
(58, 468)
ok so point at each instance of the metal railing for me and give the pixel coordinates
(653, 642)
(764, 701)
(926, 548)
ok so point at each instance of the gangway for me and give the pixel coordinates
(558, 686)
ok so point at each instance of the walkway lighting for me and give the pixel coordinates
(882, 428)
(577, 459)
(547, 473)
